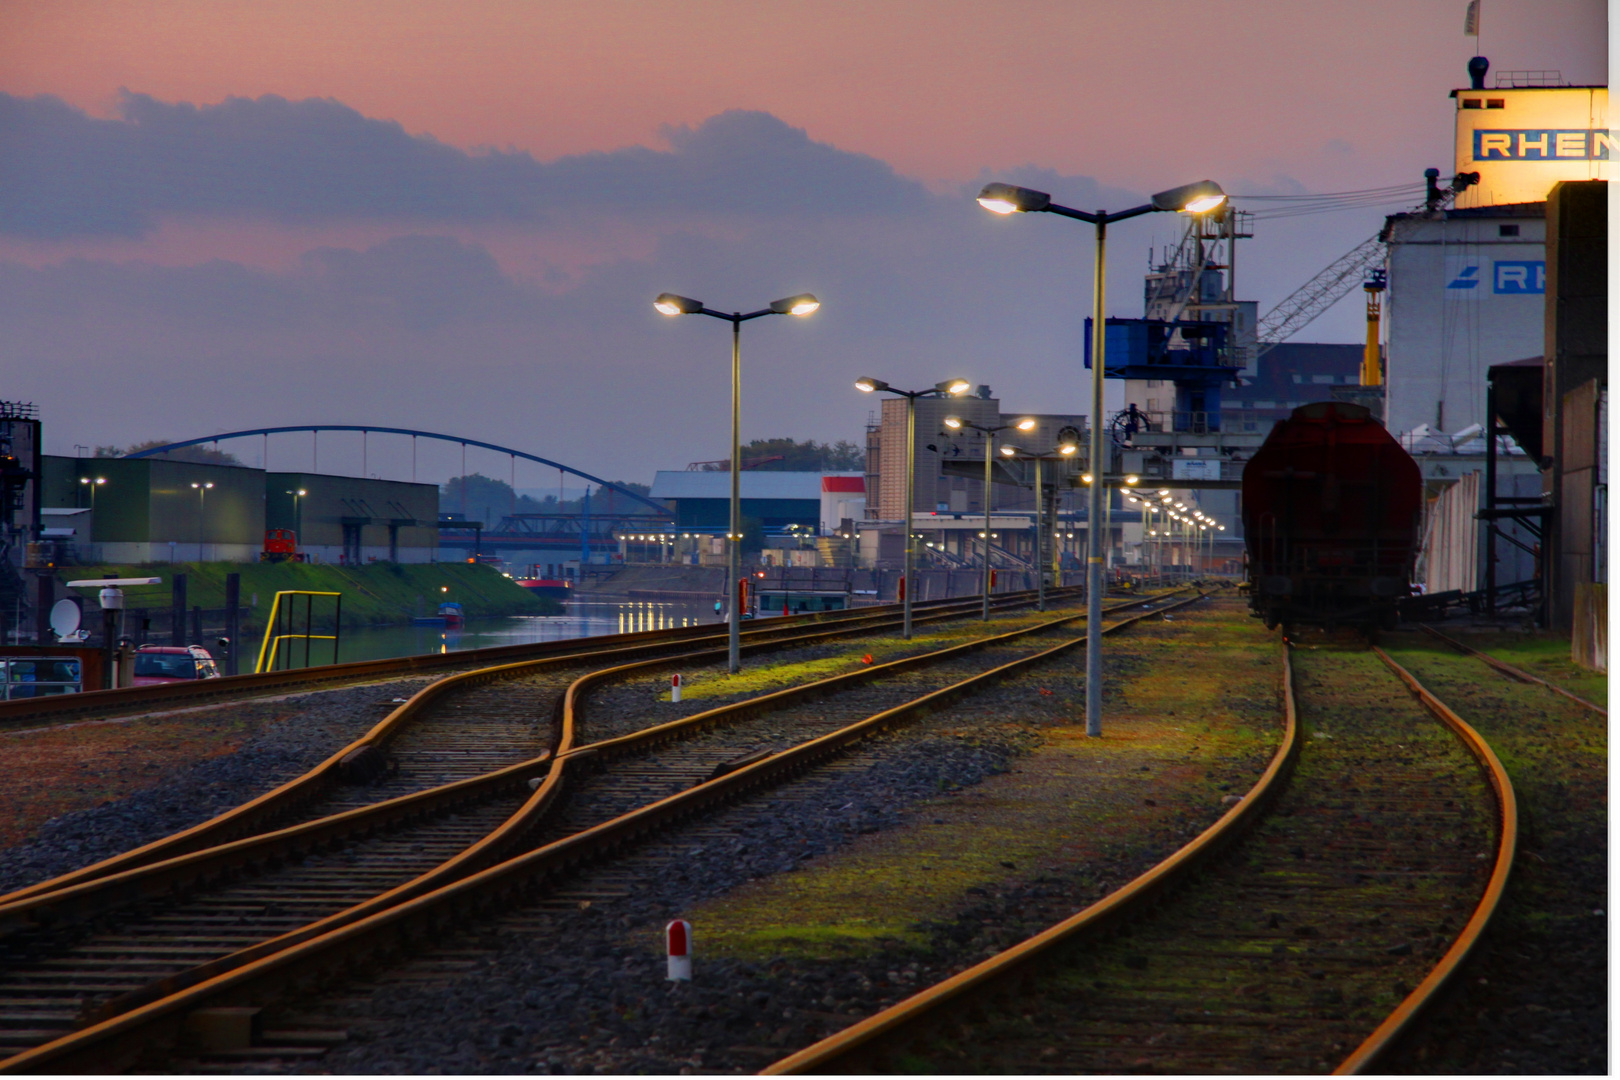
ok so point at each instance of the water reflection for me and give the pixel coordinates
(582, 618)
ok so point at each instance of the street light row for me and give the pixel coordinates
(1201, 197)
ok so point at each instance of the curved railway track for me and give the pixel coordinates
(73, 708)
(238, 919)
(433, 758)
(1319, 938)
(1510, 671)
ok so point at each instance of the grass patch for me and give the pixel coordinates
(1176, 738)
(377, 594)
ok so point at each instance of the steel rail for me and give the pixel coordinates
(1367, 1056)
(1512, 672)
(119, 1037)
(69, 707)
(844, 1050)
(68, 895)
(87, 899)
(14, 713)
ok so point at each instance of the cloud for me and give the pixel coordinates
(300, 162)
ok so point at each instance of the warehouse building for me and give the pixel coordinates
(347, 519)
(153, 510)
(143, 510)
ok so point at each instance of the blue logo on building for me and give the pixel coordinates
(1467, 279)
(1543, 144)
(1520, 278)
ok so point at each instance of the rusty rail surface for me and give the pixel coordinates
(1368, 1055)
(39, 901)
(135, 699)
(844, 1050)
(1512, 672)
(309, 953)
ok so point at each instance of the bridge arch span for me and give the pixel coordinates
(414, 433)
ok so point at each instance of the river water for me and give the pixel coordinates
(583, 618)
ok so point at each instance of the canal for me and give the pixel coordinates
(583, 618)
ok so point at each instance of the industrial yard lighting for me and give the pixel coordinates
(202, 500)
(671, 304)
(298, 515)
(1196, 198)
(94, 484)
(943, 388)
(1066, 447)
(956, 423)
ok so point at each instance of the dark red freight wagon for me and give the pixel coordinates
(1331, 511)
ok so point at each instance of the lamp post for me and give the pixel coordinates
(946, 388)
(670, 304)
(956, 423)
(298, 517)
(1063, 450)
(1197, 198)
(202, 507)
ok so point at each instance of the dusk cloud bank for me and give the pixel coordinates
(69, 174)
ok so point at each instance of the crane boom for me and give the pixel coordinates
(1318, 294)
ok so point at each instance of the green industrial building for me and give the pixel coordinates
(139, 510)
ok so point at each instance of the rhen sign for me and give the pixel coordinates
(1543, 144)
(1523, 140)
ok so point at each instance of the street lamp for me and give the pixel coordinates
(670, 304)
(1198, 198)
(1065, 448)
(202, 499)
(298, 517)
(945, 388)
(956, 423)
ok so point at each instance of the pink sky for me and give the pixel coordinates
(1141, 93)
(481, 319)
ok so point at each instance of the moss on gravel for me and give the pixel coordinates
(1194, 716)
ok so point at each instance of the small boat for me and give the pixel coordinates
(555, 588)
(450, 614)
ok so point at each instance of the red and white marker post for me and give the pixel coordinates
(678, 936)
(675, 687)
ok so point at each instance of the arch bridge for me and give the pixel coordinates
(316, 429)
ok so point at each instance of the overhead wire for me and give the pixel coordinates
(1275, 207)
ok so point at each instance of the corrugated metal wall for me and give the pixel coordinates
(1450, 558)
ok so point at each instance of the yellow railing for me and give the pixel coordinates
(270, 649)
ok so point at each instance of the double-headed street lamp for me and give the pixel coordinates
(956, 423)
(202, 509)
(946, 388)
(1066, 447)
(1198, 198)
(670, 304)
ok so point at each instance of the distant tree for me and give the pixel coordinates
(200, 455)
(494, 499)
(789, 455)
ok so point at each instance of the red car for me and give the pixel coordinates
(157, 664)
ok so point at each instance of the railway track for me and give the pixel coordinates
(321, 791)
(250, 920)
(1316, 941)
(72, 708)
(1510, 671)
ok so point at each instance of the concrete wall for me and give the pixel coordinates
(1575, 383)
(1462, 297)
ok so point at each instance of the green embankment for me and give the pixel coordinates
(377, 594)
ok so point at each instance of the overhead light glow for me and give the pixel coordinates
(953, 422)
(1026, 424)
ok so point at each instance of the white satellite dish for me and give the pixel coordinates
(65, 618)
